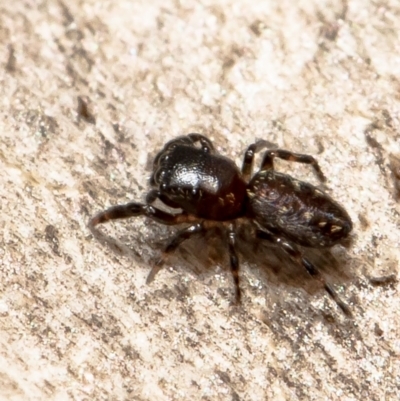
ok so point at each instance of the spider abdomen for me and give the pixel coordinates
(296, 210)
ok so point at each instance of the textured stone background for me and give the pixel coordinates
(77, 321)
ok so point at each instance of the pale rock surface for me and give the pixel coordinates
(77, 321)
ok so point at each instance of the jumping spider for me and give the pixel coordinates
(209, 189)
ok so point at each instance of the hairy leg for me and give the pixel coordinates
(268, 161)
(234, 262)
(248, 159)
(312, 270)
(135, 209)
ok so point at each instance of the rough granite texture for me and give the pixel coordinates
(90, 91)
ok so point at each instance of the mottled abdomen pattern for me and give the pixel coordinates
(296, 210)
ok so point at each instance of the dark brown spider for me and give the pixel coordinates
(207, 189)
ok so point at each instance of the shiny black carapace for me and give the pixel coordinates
(207, 189)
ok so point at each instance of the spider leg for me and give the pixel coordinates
(248, 160)
(293, 252)
(135, 209)
(175, 241)
(234, 262)
(269, 155)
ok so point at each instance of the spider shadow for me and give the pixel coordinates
(206, 255)
(115, 245)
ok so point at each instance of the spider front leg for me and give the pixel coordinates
(135, 209)
(295, 254)
(268, 161)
